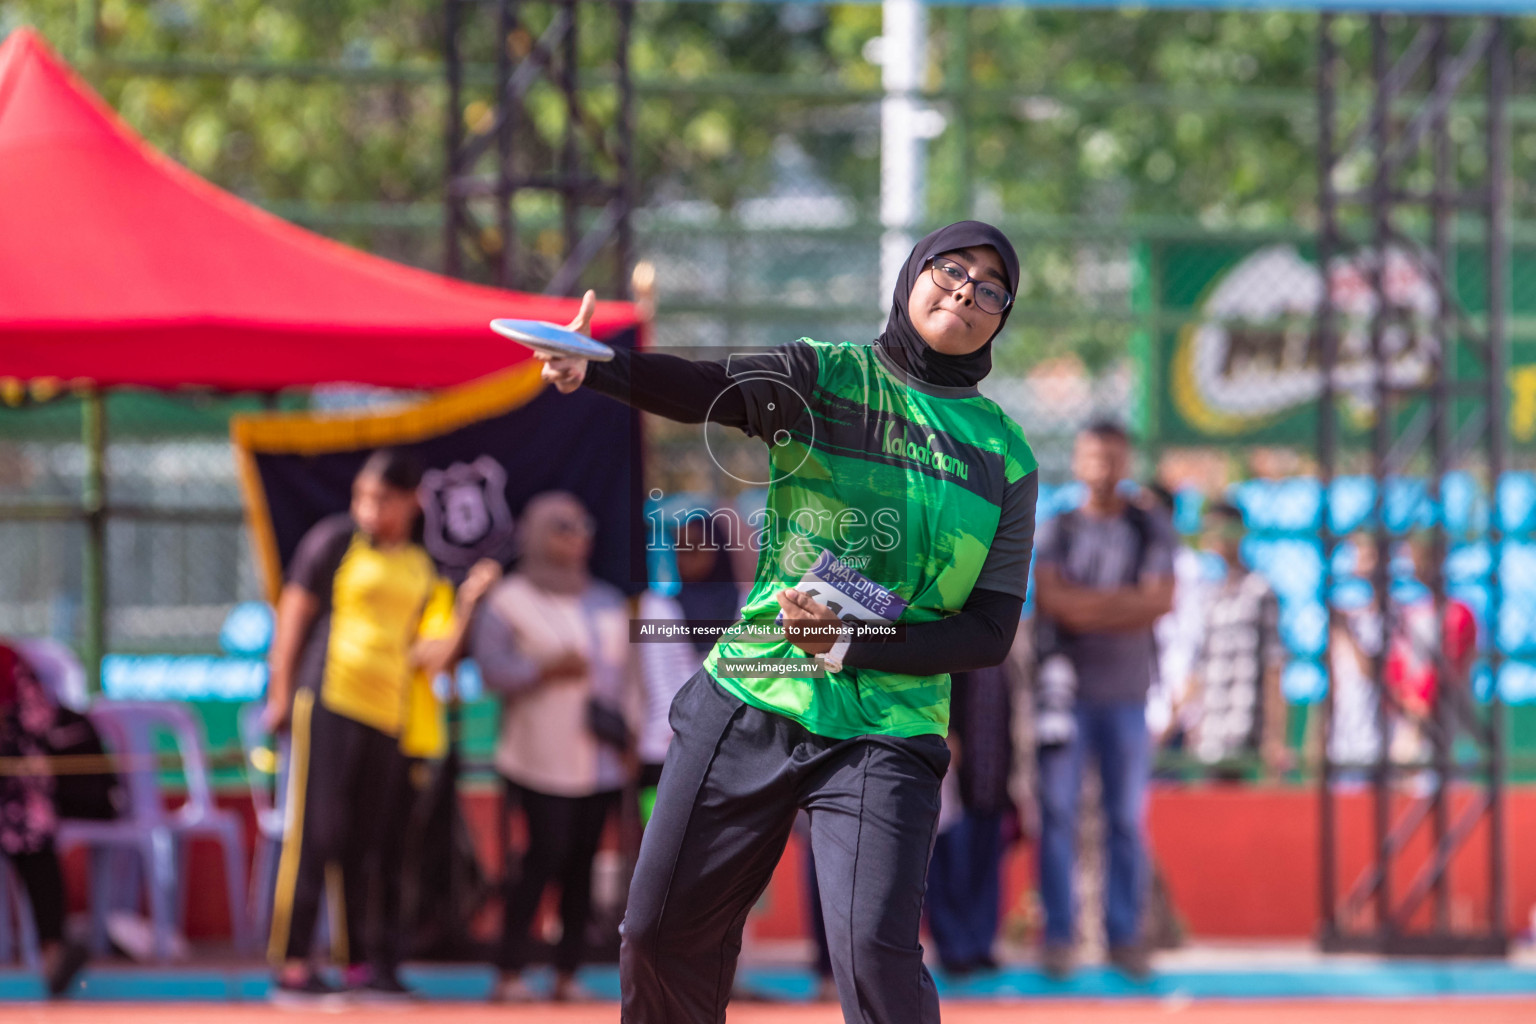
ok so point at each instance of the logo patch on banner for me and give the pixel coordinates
(466, 514)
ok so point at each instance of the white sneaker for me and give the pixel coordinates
(569, 990)
(135, 936)
(310, 994)
(513, 989)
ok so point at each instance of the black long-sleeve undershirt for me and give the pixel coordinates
(979, 635)
(685, 390)
(688, 391)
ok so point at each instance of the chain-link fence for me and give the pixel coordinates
(176, 557)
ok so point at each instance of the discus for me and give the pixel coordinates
(552, 339)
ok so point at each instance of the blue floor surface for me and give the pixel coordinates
(1337, 979)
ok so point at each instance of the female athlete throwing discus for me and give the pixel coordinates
(892, 469)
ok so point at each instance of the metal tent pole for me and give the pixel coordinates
(94, 437)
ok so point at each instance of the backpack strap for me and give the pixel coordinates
(1048, 639)
(1141, 527)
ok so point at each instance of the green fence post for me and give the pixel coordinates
(1146, 344)
(94, 435)
(87, 16)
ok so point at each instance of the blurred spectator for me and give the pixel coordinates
(826, 984)
(346, 644)
(554, 643)
(708, 600)
(32, 726)
(1238, 708)
(57, 668)
(1412, 651)
(1177, 633)
(1355, 639)
(1415, 649)
(1104, 576)
(965, 872)
(442, 635)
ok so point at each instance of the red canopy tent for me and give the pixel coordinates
(121, 267)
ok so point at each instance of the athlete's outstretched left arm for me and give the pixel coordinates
(758, 393)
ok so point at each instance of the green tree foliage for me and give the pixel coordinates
(1049, 99)
(1047, 112)
(1114, 113)
(1084, 121)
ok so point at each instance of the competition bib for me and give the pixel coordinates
(852, 596)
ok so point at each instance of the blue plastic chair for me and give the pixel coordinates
(268, 806)
(157, 836)
(18, 930)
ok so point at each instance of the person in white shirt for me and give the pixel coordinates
(1178, 633)
(553, 642)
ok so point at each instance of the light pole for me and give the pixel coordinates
(903, 130)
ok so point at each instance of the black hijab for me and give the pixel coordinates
(901, 341)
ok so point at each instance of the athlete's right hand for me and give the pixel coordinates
(565, 372)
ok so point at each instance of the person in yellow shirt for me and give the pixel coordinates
(424, 730)
(423, 739)
(347, 643)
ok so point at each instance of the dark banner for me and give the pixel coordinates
(488, 447)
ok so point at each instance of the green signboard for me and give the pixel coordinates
(1234, 354)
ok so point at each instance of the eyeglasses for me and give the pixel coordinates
(572, 526)
(951, 276)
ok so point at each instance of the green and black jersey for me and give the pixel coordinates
(928, 491)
